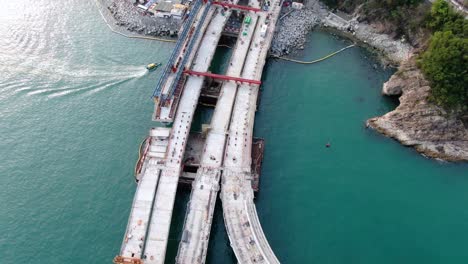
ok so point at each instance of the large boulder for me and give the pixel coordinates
(394, 86)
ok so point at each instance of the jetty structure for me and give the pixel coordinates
(224, 162)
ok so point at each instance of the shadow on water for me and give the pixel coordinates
(219, 252)
(177, 222)
(219, 249)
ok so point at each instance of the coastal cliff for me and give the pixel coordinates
(416, 122)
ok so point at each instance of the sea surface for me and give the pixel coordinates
(75, 104)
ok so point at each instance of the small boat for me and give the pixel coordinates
(153, 66)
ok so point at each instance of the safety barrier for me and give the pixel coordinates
(193, 40)
(176, 50)
(237, 7)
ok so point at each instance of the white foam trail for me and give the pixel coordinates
(60, 94)
(87, 72)
(94, 91)
(105, 77)
(90, 90)
(40, 91)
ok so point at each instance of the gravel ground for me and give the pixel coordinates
(135, 20)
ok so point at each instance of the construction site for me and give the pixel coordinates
(223, 159)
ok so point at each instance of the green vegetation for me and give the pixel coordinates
(388, 4)
(445, 62)
(395, 17)
(443, 18)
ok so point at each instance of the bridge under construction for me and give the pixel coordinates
(225, 163)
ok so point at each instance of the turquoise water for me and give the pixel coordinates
(367, 199)
(75, 104)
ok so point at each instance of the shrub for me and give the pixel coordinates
(445, 65)
(445, 62)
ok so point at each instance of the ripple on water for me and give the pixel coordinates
(55, 79)
(84, 81)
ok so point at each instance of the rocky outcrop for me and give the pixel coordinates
(418, 123)
(395, 85)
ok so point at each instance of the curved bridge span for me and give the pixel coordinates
(244, 229)
(240, 216)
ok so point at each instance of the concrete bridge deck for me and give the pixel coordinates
(197, 226)
(244, 230)
(166, 94)
(147, 232)
(163, 91)
(151, 213)
(156, 242)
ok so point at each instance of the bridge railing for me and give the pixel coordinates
(189, 50)
(257, 229)
(176, 50)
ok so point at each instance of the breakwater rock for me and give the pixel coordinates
(293, 29)
(296, 24)
(129, 17)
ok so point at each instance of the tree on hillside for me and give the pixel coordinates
(442, 18)
(395, 3)
(445, 64)
(373, 3)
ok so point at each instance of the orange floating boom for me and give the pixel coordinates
(222, 77)
(247, 8)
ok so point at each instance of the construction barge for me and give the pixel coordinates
(192, 158)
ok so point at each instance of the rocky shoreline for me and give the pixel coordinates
(127, 16)
(294, 27)
(415, 122)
